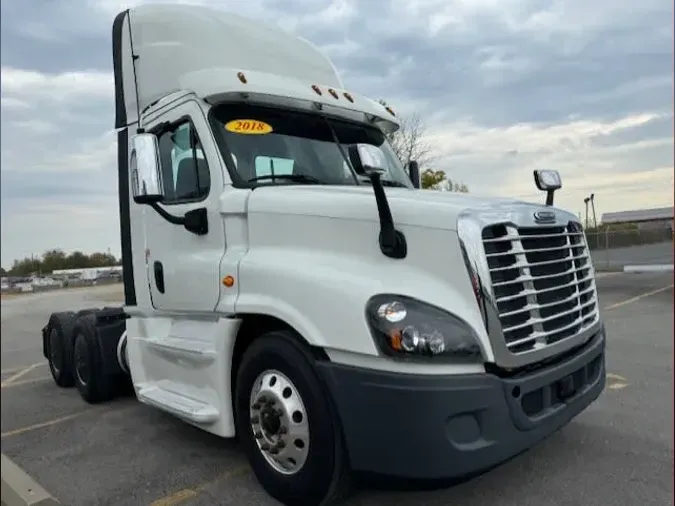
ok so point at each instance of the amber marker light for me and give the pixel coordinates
(395, 339)
(228, 281)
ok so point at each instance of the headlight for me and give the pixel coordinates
(404, 327)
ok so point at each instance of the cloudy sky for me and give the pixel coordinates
(505, 86)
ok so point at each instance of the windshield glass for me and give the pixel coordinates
(263, 146)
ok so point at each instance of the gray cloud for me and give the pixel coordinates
(504, 86)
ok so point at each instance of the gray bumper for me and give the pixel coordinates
(417, 426)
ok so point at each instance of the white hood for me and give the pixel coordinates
(430, 209)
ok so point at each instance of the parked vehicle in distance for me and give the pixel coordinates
(281, 274)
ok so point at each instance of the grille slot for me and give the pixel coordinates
(542, 283)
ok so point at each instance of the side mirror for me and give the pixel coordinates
(414, 173)
(548, 181)
(146, 174)
(372, 159)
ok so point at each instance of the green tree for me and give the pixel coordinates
(77, 260)
(52, 260)
(429, 178)
(25, 267)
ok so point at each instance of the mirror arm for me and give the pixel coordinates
(195, 221)
(174, 220)
(549, 197)
(392, 241)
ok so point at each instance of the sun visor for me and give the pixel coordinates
(156, 46)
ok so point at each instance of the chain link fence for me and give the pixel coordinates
(608, 239)
(612, 249)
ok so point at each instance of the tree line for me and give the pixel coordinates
(57, 259)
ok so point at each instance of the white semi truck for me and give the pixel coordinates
(286, 281)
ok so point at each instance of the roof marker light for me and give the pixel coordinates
(241, 77)
(316, 89)
(348, 97)
(333, 93)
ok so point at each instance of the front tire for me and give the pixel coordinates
(288, 425)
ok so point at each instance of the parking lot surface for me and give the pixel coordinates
(618, 452)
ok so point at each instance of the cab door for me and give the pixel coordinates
(182, 265)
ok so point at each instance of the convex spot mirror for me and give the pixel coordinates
(547, 180)
(146, 174)
(372, 158)
(414, 173)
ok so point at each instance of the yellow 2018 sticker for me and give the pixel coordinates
(248, 127)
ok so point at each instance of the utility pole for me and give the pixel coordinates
(595, 221)
(586, 201)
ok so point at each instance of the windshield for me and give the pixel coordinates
(263, 146)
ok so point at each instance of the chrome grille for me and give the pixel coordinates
(542, 283)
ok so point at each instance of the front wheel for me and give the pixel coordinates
(287, 424)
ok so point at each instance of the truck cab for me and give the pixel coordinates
(287, 282)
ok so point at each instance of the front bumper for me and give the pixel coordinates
(430, 427)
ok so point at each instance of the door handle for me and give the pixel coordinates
(158, 268)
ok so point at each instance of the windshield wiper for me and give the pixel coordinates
(295, 178)
(386, 182)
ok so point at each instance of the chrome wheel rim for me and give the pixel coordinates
(279, 422)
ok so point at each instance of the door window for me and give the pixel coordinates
(185, 171)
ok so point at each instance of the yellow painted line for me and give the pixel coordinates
(617, 386)
(638, 297)
(616, 382)
(176, 498)
(19, 374)
(26, 381)
(188, 493)
(48, 423)
(17, 369)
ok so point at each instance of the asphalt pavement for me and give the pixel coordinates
(618, 452)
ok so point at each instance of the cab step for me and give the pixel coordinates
(181, 405)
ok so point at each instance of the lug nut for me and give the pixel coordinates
(258, 435)
(255, 419)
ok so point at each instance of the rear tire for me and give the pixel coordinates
(59, 335)
(90, 379)
(277, 358)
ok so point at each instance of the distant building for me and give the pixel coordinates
(644, 219)
(90, 273)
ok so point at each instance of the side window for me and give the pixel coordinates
(264, 165)
(184, 169)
